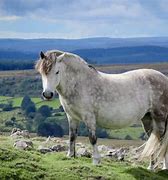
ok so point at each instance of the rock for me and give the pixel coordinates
(14, 130)
(17, 133)
(25, 133)
(65, 141)
(79, 144)
(118, 154)
(44, 150)
(59, 148)
(23, 144)
(103, 148)
(83, 152)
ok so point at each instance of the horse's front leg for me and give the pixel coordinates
(91, 125)
(73, 125)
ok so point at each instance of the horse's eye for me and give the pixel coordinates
(57, 72)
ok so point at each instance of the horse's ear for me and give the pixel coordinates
(42, 55)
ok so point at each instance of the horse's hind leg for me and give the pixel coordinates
(73, 125)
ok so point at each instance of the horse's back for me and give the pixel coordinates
(129, 96)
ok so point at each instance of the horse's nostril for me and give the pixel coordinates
(43, 94)
(52, 94)
(47, 95)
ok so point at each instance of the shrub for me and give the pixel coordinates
(45, 111)
(7, 107)
(25, 102)
(128, 137)
(101, 133)
(9, 123)
(50, 129)
(30, 109)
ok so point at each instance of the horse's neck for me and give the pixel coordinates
(72, 82)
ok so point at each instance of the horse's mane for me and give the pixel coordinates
(45, 65)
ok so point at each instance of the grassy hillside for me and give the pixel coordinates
(132, 132)
(25, 165)
(38, 101)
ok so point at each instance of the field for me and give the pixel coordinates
(32, 165)
(16, 101)
(25, 165)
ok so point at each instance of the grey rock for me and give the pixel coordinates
(44, 150)
(83, 152)
(118, 154)
(23, 144)
(59, 148)
(17, 133)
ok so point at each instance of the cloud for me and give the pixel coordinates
(84, 18)
(9, 18)
(74, 9)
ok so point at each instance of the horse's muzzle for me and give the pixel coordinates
(47, 95)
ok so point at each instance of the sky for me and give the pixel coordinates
(72, 19)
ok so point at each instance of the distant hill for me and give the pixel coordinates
(36, 45)
(94, 50)
(125, 55)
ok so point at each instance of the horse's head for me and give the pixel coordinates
(50, 67)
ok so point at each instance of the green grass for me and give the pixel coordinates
(38, 101)
(26, 165)
(134, 132)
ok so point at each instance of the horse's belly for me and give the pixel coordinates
(120, 116)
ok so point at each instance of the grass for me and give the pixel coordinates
(38, 101)
(116, 134)
(25, 165)
(134, 132)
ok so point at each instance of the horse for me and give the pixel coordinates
(109, 100)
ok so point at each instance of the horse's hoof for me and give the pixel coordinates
(70, 155)
(165, 168)
(96, 161)
(150, 168)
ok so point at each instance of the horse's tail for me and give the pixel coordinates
(156, 146)
(151, 146)
(163, 146)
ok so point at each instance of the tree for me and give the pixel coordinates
(26, 102)
(38, 119)
(128, 137)
(50, 129)
(45, 111)
(101, 133)
(28, 106)
(30, 109)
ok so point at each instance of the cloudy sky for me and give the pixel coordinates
(83, 18)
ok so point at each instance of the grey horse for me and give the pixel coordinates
(109, 100)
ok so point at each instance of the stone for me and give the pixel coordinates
(83, 152)
(103, 148)
(59, 148)
(118, 154)
(25, 133)
(23, 144)
(14, 130)
(17, 133)
(44, 150)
